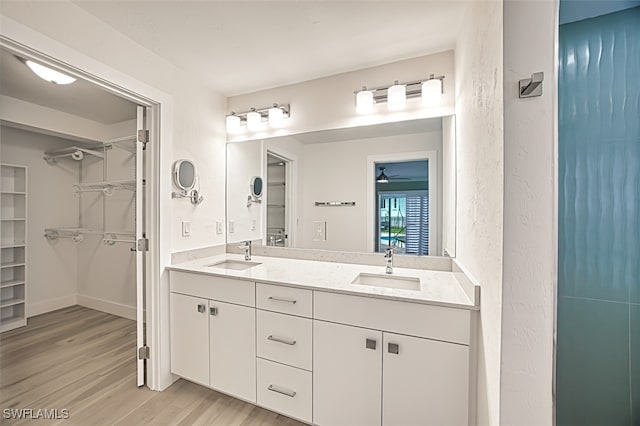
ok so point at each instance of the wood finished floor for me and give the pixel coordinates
(83, 360)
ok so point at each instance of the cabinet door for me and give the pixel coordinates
(425, 382)
(347, 373)
(232, 331)
(189, 338)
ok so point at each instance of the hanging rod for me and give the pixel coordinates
(75, 152)
(111, 238)
(75, 234)
(105, 187)
(122, 143)
(335, 203)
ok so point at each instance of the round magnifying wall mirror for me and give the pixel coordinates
(256, 187)
(184, 174)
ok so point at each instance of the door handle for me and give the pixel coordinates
(370, 344)
(201, 308)
(394, 348)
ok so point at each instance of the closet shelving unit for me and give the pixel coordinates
(13, 244)
(107, 187)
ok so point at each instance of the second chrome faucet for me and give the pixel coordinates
(246, 245)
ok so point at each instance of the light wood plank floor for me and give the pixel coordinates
(83, 360)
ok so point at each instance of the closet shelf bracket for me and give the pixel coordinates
(106, 188)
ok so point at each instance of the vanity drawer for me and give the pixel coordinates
(415, 319)
(285, 339)
(240, 292)
(288, 300)
(284, 389)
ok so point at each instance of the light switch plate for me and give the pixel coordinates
(253, 224)
(319, 231)
(218, 227)
(232, 227)
(186, 228)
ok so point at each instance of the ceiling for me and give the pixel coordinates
(79, 98)
(238, 47)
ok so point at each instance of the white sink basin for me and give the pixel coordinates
(388, 281)
(235, 265)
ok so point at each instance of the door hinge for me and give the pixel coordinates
(143, 352)
(143, 136)
(143, 244)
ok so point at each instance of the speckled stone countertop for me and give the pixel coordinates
(436, 287)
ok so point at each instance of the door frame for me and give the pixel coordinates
(28, 43)
(434, 217)
(291, 178)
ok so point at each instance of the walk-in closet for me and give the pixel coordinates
(72, 201)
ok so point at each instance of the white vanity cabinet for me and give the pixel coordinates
(213, 332)
(367, 372)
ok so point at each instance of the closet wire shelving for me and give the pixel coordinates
(106, 187)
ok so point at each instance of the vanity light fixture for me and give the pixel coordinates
(49, 74)
(364, 101)
(396, 95)
(253, 119)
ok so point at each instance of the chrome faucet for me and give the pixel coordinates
(389, 258)
(246, 245)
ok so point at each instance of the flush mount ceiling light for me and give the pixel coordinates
(396, 95)
(48, 74)
(253, 119)
(382, 178)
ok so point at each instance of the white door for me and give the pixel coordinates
(140, 249)
(189, 338)
(347, 374)
(425, 382)
(232, 340)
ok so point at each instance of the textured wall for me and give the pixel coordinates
(599, 221)
(479, 112)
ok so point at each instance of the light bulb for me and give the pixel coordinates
(48, 74)
(364, 101)
(254, 120)
(431, 92)
(233, 123)
(396, 96)
(276, 116)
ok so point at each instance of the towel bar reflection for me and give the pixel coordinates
(335, 203)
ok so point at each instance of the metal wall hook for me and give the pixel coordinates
(530, 87)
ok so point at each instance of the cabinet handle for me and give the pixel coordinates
(371, 344)
(281, 340)
(213, 311)
(290, 394)
(394, 348)
(279, 299)
(201, 308)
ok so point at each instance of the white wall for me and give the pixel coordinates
(479, 124)
(449, 185)
(530, 215)
(329, 103)
(52, 266)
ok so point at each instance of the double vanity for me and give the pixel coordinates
(327, 343)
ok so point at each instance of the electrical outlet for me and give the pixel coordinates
(186, 228)
(218, 227)
(253, 225)
(231, 227)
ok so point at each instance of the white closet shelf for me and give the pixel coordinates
(13, 192)
(13, 219)
(106, 187)
(11, 302)
(12, 322)
(12, 245)
(12, 283)
(75, 152)
(11, 264)
(75, 234)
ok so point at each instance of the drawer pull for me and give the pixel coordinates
(201, 308)
(290, 394)
(280, 340)
(279, 299)
(394, 348)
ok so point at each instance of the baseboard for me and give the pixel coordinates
(50, 305)
(112, 308)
